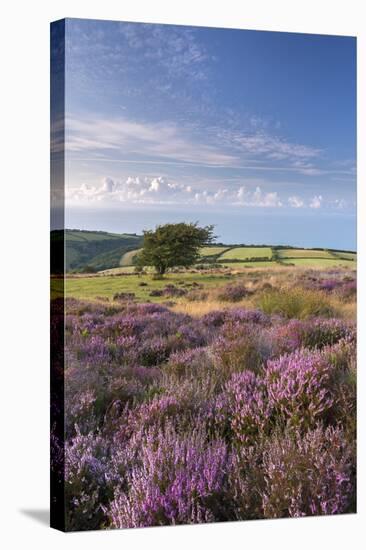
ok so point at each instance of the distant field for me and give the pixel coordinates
(127, 258)
(93, 236)
(346, 255)
(319, 262)
(255, 265)
(92, 250)
(118, 270)
(301, 253)
(92, 287)
(212, 250)
(244, 253)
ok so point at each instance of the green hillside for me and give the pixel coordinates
(93, 250)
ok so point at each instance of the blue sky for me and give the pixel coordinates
(252, 131)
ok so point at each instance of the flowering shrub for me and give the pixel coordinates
(86, 481)
(236, 414)
(245, 404)
(189, 362)
(177, 479)
(298, 387)
(308, 475)
(316, 333)
(233, 293)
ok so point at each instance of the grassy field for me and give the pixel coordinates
(93, 250)
(212, 250)
(112, 254)
(346, 255)
(247, 252)
(146, 288)
(320, 262)
(107, 286)
(127, 258)
(303, 253)
(253, 265)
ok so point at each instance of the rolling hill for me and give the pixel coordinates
(92, 250)
(96, 251)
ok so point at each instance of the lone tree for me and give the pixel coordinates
(173, 245)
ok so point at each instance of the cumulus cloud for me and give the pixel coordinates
(316, 201)
(160, 190)
(163, 190)
(295, 202)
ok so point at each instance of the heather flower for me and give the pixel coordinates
(237, 414)
(244, 406)
(298, 387)
(189, 362)
(233, 293)
(178, 479)
(316, 333)
(237, 348)
(86, 481)
(152, 414)
(308, 475)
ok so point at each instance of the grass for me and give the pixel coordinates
(107, 286)
(346, 255)
(127, 258)
(303, 253)
(212, 250)
(319, 262)
(269, 288)
(197, 309)
(295, 303)
(247, 252)
(248, 264)
(95, 249)
(117, 271)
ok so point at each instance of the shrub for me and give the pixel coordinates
(86, 486)
(233, 293)
(298, 387)
(177, 479)
(308, 475)
(295, 303)
(236, 355)
(186, 363)
(124, 296)
(244, 405)
(314, 333)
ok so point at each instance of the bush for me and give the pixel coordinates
(244, 405)
(295, 303)
(309, 475)
(177, 479)
(233, 293)
(238, 414)
(299, 389)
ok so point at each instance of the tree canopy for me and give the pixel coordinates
(173, 245)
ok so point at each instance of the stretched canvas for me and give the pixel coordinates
(203, 275)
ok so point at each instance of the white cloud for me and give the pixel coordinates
(120, 136)
(340, 203)
(316, 201)
(271, 146)
(264, 199)
(163, 190)
(160, 190)
(295, 202)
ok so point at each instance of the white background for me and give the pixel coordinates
(24, 299)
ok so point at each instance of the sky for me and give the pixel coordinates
(252, 131)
